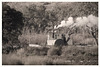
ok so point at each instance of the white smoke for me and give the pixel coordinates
(93, 20)
(70, 21)
(65, 23)
(80, 21)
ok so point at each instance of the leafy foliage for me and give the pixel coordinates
(41, 15)
(12, 23)
(35, 19)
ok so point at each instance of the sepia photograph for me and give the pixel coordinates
(50, 33)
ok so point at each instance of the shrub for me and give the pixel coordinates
(54, 51)
(91, 51)
(70, 50)
(7, 49)
(75, 50)
(33, 39)
(84, 39)
(21, 52)
(37, 50)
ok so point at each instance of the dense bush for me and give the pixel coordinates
(54, 51)
(36, 51)
(82, 39)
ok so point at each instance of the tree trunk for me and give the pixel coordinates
(53, 31)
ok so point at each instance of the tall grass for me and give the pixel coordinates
(33, 39)
(79, 50)
(38, 60)
(11, 59)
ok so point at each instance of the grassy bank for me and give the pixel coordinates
(71, 55)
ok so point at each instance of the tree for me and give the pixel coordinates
(36, 18)
(52, 20)
(12, 24)
(94, 32)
